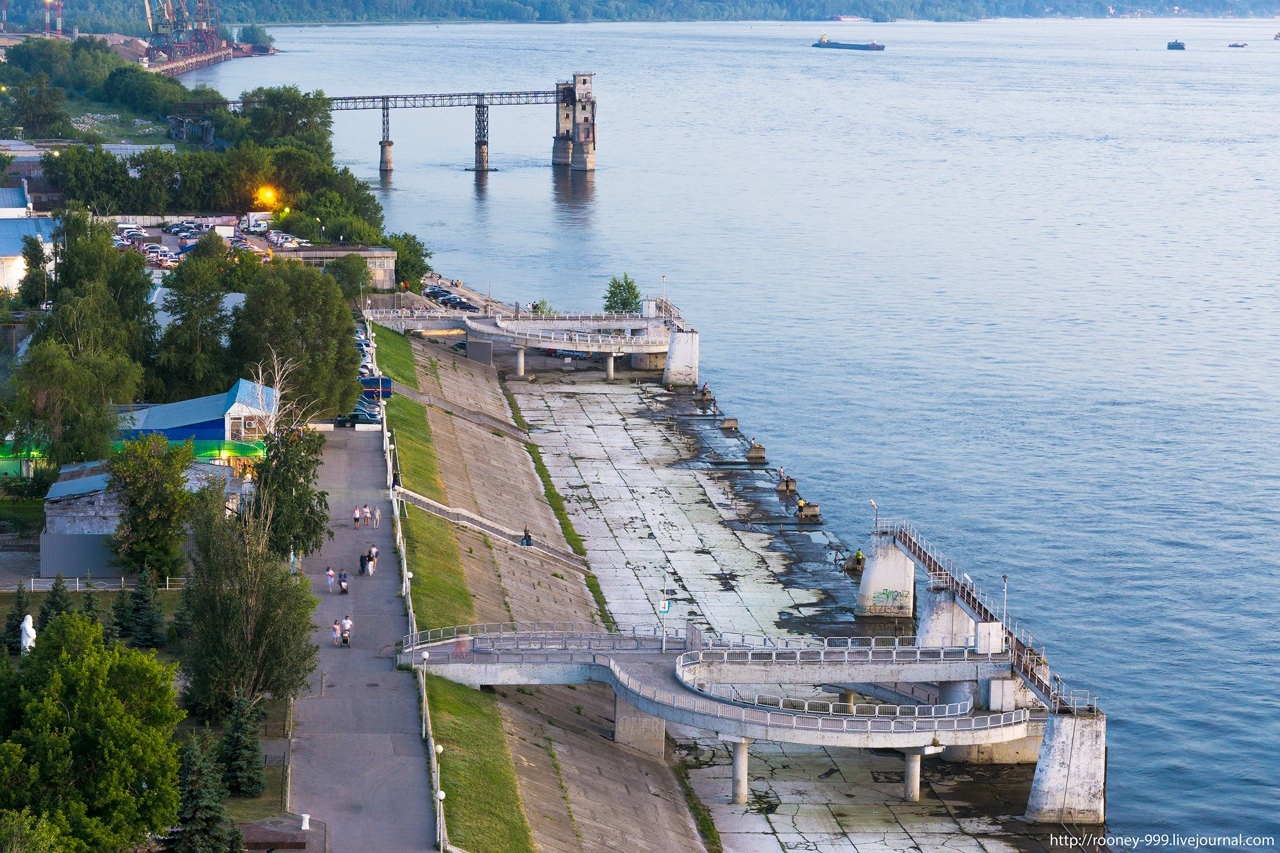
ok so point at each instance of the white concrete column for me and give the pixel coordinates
(888, 585)
(682, 359)
(911, 778)
(608, 367)
(1070, 784)
(943, 621)
(520, 362)
(848, 697)
(741, 784)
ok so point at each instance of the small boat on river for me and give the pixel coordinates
(1177, 45)
(825, 42)
(1237, 44)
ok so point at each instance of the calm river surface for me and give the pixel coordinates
(1014, 280)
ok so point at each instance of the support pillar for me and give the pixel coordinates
(848, 697)
(639, 731)
(608, 367)
(520, 362)
(384, 160)
(583, 157)
(562, 144)
(1070, 785)
(911, 778)
(943, 622)
(682, 359)
(741, 784)
(888, 583)
(482, 135)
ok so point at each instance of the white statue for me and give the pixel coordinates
(28, 634)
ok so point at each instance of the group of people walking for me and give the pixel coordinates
(362, 517)
(342, 631)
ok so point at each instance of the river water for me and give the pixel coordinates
(1014, 280)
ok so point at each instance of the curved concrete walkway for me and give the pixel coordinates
(666, 685)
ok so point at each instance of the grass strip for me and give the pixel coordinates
(23, 517)
(516, 414)
(419, 467)
(477, 774)
(395, 356)
(557, 503)
(267, 804)
(439, 586)
(701, 814)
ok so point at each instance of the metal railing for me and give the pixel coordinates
(529, 630)
(731, 693)
(818, 657)
(81, 584)
(812, 722)
(1028, 659)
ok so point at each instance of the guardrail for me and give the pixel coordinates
(517, 629)
(81, 584)
(1028, 659)
(823, 723)
(730, 693)
(804, 657)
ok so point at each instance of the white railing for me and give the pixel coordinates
(799, 721)
(818, 657)
(529, 631)
(103, 584)
(731, 693)
(1029, 660)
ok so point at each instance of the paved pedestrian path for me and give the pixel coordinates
(359, 763)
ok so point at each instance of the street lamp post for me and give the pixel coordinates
(877, 509)
(1004, 605)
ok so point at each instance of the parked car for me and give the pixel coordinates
(358, 417)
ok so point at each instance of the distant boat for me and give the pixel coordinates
(1276, 37)
(1177, 45)
(1237, 44)
(825, 42)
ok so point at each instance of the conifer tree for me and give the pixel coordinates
(122, 616)
(148, 618)
(246, 773)
(201, 817)
(13, 622)
(90, 605)
(57, 602)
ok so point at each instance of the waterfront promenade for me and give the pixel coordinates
(358, 763)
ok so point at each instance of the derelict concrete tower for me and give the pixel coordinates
(575, 139)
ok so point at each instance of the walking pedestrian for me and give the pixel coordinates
(528, 537)
(337, 632)
(346, 627)
(355, 518)
(364, 563)
(377, 516)
(367, 515)
(373, 558)
(328, 575)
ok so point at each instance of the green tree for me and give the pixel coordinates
(241, 749)
(122, 621)
(23, 832)
(202, 818)
(148, 616)
(250, 618)
(411, 258)
(20, 610)
(623, 296)
(89, 604)
(56, 602)
(285, 492)
(88, 738)
(192, 357)
(254, 34)
(543, 308)
(37, 108)
(281, 115)
(150, 476)
(351, 272)
(297, 314)
(33, 290)
(64, 403)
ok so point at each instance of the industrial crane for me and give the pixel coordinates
(175, 34)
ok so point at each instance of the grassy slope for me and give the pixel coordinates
(476, 757)
(419, 469)
(395, 356)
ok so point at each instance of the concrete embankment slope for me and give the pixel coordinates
(634, 463)
(580, 791)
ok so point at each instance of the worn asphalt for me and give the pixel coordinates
(359, 763)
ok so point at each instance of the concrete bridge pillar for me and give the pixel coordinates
(848, 697)
(888, 585)
(741, 783)
(911, 778)
(682, 359)
(384, 160)
(608, 367)
(943, 621)
(639, 731)
(1070, 784)
(520, 362)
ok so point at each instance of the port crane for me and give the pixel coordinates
(177, 34)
